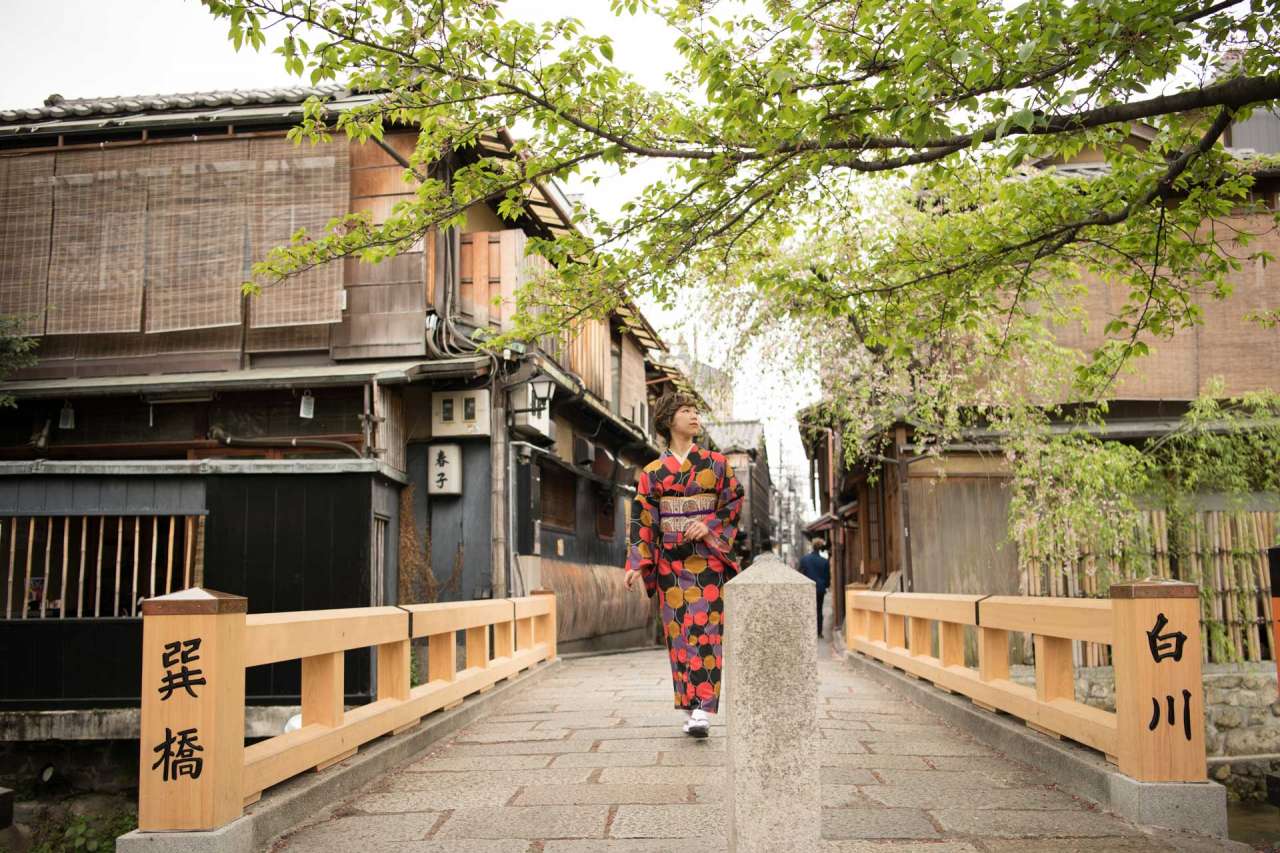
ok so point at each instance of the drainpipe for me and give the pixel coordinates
(904, 509)
(499, 554)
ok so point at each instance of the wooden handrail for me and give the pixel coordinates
(1087, 619)
(275, 637)
(1157, 731)
(197, 645)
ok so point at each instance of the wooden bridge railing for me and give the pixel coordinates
(1156, 733)
(196, 772)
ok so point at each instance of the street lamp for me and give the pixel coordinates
(541, 390)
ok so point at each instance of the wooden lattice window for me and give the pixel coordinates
(606, 513)
(559, 498)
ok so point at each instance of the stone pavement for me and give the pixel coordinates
(592, 760)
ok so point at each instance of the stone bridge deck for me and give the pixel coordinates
(591, 760)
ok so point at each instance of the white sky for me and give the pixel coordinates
(95, 48)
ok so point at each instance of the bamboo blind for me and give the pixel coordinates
(86, 566)
(26, 210)
(297, 187)
(1222, 552)
(196, 259)
(97, 256)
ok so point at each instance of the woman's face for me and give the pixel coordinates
(686, 421)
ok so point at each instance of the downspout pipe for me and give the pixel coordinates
(221, 436)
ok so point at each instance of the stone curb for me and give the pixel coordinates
(1199, 808)
(291, 803)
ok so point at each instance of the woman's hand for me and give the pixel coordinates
(629, 579)
(697, 531)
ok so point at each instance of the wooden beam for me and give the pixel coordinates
(84, 541)
(137, 535)
(275, 637)
(13, 542)
(48, 556)
(155, 542)
(66, 558)
(26, 585)
(97, 577)
(168, 570)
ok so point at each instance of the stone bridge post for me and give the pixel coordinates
(771, 695)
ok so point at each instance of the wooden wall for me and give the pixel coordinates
(959, 527)
(494, 267)
(387, 302)
(634, 391)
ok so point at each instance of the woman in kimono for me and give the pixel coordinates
(683, 525)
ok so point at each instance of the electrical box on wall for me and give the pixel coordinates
(460, 412)
(527, 423)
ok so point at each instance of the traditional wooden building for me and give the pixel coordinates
(743, 444)
(926, 524)
(336, 441)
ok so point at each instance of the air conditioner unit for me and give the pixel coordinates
(527, 423)
(584, 452)
(460, 413)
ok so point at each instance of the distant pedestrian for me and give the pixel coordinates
(815, 567)
(683, 524)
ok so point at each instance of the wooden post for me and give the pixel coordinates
(919, 637)
(895, 631)
(545, 627)
(524, 633)
(478, 647)
(323, 685)
(191, 751)
(875, 625)
(993, 654)
(393, 670)
(951, 643)
(442, 657)
(1055, 672)
(1159, 692)
(857, 623)
(504, 639)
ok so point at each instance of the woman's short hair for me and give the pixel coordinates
(664, 411)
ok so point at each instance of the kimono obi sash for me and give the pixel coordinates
(677, 512)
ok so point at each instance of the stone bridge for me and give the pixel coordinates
(590, 759)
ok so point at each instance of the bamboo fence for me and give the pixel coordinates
(1222, 552)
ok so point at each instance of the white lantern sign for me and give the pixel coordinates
(444, 469)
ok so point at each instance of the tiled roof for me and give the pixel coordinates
(57, 107)
(737, 435)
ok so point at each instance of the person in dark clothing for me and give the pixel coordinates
(815, 567)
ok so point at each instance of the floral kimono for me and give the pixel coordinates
(688, 575)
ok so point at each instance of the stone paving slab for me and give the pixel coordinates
(592, 760)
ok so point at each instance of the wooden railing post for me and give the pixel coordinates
(478, 647)
(323, 681)
(895, 630)
(920, 637)
(875, 625)
(524, 633)
(1159, 692)
(442, 657)
(993, 654)
(856, 621)
(951, 643)
(545, 627)
(191, 748)
(504, 638)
